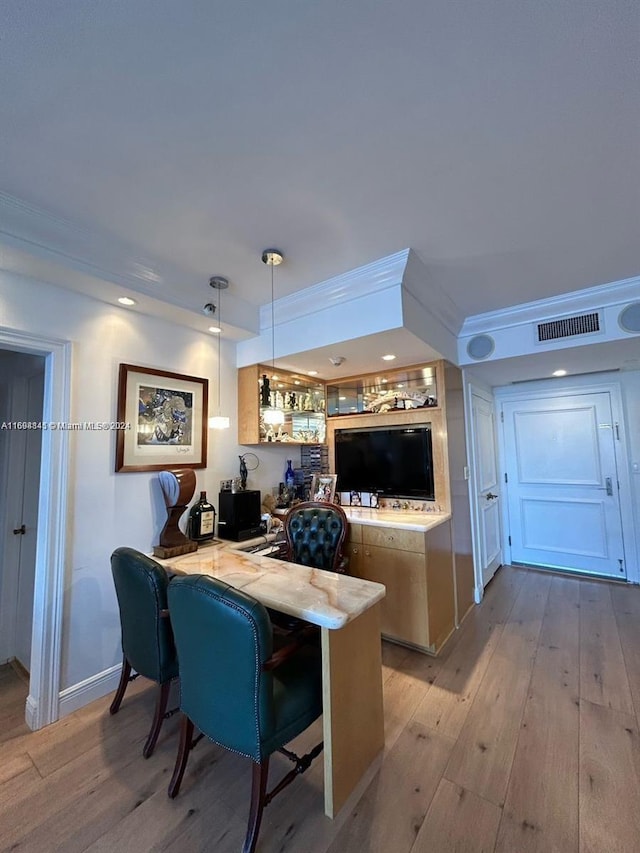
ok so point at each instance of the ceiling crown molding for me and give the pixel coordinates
(341, 289)
(50, 236)
(600, 296)
(65, 245)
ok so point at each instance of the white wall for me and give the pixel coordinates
(106, 509)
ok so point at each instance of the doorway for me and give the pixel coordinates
(21, 408)
(563, 498)
(48, 584)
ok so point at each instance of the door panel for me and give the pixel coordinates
(570, 441)
(563, 498)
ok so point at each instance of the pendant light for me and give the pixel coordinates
(219, 283)
(273, 258)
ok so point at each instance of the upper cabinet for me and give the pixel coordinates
(393, 390)
(299, 398)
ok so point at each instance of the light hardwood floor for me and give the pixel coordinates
(522, 736)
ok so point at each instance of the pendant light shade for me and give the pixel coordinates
(220, 283)
(273, 258)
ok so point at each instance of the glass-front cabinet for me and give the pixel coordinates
(395, 390)
(279, 406)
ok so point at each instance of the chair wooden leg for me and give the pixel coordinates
(258, 793)
(122, 686)
(186, 735)
(161, 707)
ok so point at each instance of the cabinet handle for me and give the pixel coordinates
(355, 551)
(367, 554)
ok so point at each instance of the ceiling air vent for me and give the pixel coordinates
(568, 327)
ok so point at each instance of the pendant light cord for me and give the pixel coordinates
(219, 342)
(273, 326)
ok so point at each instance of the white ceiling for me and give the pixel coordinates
(499, 140)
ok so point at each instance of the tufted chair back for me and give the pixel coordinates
(315, 534)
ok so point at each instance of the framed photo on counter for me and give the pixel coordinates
(323, 487)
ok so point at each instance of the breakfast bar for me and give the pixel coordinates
(347, 611)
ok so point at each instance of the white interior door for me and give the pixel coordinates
(563, 499)
(29, 522)
(486, 486)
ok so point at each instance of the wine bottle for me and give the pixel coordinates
(289, 477)
(202, 520)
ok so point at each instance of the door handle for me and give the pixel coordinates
(20, 530)
(609, 486)
(490, 496)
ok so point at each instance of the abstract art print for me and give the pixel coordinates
(166, 417)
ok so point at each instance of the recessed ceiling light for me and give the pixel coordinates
(559, 373)
(384, 381)
(400, 385)
(215, 329)
(388, 357)
(296, 381)
(126, 300)
(313, 373)
(342, 398)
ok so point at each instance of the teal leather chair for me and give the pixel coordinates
(315, 534)
(147, 639)
(235, 689)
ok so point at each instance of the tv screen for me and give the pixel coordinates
(394, 461)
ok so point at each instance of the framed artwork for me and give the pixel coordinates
(323, 487)
(165, 420)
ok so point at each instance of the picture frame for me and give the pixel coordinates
(323, 487)
(163, 419)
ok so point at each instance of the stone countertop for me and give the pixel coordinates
(327, 599)
(401, 519)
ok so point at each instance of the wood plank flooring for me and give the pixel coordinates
(522, 737)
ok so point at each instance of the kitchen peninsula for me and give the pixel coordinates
(347, 611)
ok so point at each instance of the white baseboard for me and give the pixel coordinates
(31, 716)
(80, 694)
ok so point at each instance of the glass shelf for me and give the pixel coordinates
(398, 390)
(298, 427)
(302, 403)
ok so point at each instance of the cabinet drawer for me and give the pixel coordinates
(392, 537)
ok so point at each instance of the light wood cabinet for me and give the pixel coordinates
(417, 571)
(301, 399)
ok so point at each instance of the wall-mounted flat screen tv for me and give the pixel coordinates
(393, 461)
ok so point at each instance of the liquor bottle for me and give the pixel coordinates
(202, 520)
(289, 477)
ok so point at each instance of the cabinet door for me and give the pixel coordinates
(404, 608)
(353, 551)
